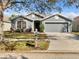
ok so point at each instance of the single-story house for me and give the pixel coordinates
(52, 23)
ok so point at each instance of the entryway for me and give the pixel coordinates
(37, 25)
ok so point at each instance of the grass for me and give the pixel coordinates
(43, 45)
(76, 33)
(22, 46)
(16, 35)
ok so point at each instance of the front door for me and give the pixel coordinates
(37, 25)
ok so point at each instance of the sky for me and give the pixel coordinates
(67, 11)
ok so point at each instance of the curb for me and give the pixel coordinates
(46, 51)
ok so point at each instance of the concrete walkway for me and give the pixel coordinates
(63, 41)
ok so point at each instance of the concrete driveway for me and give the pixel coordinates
(63, 41)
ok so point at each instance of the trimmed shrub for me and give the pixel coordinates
(41, 27)
(17, 30)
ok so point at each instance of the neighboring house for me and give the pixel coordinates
(53, 23)
(75, 25)
(6, 23)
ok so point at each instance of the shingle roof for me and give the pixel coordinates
(22, 17)
(37, 14)
(57, 15)
(43, 17)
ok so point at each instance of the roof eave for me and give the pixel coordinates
(57, 15)
(22, 17)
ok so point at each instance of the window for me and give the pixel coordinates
(21, 25)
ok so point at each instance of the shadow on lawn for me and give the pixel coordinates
(13, 57)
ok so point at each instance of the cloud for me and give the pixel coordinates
(71, 15)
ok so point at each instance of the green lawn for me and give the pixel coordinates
(43, 45)
(16, 35)
(76, 33)
(24, 46)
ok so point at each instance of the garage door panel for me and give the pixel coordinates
(50, 27)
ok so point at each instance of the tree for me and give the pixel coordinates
(42, 6)
(3, 6)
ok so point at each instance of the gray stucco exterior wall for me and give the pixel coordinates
(14, 23)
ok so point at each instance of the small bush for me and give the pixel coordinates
(17, 30)
(41, 27)
(43, 45)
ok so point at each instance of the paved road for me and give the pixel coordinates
(39, 55)
(63, 41)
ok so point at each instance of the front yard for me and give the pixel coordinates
(76, 33)
(16, 35)
(22, 45)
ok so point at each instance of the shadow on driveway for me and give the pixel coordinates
(76, 37)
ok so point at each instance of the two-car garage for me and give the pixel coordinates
(56, 27)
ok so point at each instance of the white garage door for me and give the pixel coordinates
(56, 27)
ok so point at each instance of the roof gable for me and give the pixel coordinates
(61, 16)
(21, 17)
(35, 16)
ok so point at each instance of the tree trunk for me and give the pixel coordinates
(1, 22)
